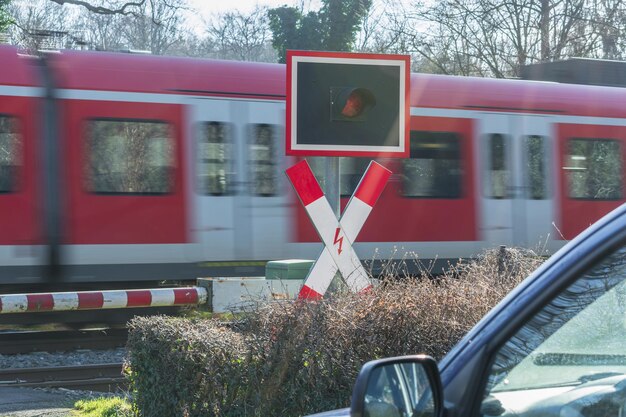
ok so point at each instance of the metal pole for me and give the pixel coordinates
(331, 189)
(331, 184)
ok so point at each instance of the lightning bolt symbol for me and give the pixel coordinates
(338, 240)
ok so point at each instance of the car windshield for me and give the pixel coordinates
(577, 338)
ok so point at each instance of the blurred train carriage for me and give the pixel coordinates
(120, 168)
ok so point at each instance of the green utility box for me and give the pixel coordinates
(288, 269)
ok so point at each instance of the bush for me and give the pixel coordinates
(296, 358)
(179, 367)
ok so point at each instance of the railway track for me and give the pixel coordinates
(100, 377)
(16, 342)
(106, 377)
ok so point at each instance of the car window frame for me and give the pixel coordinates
(581, 284)
(473, 356)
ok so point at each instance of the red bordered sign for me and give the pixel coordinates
(345, 104)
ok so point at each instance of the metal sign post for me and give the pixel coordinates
(332, 184)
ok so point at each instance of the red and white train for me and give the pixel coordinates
(118, 167)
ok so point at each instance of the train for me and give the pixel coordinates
(120, 168)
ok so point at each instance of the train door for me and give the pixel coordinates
(215, 179)
(242, 205)
(266, 189)
(496, 137)
(516, 200)
(533, 212)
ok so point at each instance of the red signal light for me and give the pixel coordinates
(354, 105)
(350, 104)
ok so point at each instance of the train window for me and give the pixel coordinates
(262, 159)
(594, 169)
(536, 167)
(498, 166)
(10, 153)
(130, 157)
(215, 159)
(434, 169)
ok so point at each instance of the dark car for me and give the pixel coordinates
(555, 346)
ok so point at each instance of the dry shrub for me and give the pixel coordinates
(296, 358)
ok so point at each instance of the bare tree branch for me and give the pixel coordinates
(125, 9)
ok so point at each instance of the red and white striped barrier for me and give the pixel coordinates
(92, 300)
(337, 235)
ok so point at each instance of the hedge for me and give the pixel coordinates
(296, 358)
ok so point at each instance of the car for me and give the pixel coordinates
(555, 346)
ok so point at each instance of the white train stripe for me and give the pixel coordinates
(552, 118)
(157, 98)
(21, 91)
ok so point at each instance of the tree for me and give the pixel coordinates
(496, 38)
(42, 24)
(240, 36)
(384, 28)
(113, 7)
(103, 31)
(333, 28)
(607, 21)
(5, 18)
(155, 26)
(152, 25)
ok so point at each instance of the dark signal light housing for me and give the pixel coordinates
(346, 104)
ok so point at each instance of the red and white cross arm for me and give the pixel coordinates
(352, 220)
(337, 235)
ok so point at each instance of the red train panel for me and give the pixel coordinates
(516, 96)
(109, 217)
(100, 71)
(399, 219)
(16, 70)
(586, 190)
(20, 213)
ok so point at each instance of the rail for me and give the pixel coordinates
(99, 377)
(20, 342)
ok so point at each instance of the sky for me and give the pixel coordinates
(206, 8)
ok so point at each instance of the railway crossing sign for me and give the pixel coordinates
(346, 104)
(338, 235)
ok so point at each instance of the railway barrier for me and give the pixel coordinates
(92, 300)
(284, 280)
